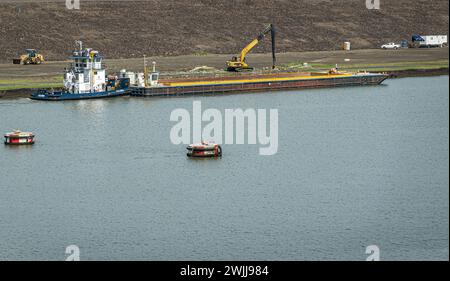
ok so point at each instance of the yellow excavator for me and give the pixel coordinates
(239, 63)
(31, 57)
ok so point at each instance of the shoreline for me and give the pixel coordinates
(418, 72)
(26, 92)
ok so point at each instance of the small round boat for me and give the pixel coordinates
(17, 137)
(204, 149)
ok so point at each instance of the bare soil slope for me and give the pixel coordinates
(128, 28)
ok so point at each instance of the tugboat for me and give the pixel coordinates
(204, 149)
(86, 79)
(17, 137)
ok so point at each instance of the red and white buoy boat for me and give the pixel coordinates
(18, 137)
(204, 149)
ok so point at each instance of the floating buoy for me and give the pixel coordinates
(18, 137)
(204, 149)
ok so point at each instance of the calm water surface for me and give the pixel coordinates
(355, 167)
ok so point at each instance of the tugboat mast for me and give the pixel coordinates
(145, 72)
(80, 44)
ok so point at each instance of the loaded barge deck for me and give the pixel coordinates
(263, 82)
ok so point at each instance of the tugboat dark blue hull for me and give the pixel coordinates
(59, 96)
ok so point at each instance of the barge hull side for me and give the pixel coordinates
(259, 86)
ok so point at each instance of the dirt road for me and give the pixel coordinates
(183, 63)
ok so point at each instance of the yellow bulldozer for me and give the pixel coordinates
(238, 63)
(31, 57)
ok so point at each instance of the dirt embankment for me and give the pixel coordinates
(417, 72)
(127, 29)
(19, 93)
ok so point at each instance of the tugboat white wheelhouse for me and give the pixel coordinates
(86, 79)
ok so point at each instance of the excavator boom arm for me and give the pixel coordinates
(247, 49)
(252, 44)
(270, 28)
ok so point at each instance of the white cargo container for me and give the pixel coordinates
(346, 46)
(433, 41)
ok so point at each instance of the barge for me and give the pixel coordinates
(85, 79)
(249, 83)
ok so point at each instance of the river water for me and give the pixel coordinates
(355, 167)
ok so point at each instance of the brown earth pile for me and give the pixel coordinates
(128, 28)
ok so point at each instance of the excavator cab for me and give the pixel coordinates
(239, 63)
(235, 64)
